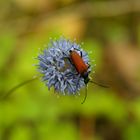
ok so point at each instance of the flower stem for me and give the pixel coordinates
(5, 96)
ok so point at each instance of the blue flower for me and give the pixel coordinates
(56, 68)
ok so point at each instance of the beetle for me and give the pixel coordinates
(82, 69)
(80, 65)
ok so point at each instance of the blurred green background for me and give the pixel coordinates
(108, 28)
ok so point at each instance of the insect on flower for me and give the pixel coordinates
(57, 68)
(80, 65)
(82, 69)
(65, 66)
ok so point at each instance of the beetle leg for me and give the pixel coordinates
(88, 65)
(64, 54)
(81, 54)
(77, 49)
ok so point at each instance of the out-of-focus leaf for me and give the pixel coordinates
(7, 45)
(132, 132)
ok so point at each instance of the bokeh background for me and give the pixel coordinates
(110, 29)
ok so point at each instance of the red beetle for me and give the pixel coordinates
(80, 65)
(82, 69)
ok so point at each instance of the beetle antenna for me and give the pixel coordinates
(18, 86)
(85, 95)
(105, 86)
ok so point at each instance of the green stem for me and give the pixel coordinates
(17, 87)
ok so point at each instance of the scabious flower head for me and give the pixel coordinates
(57, 70)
